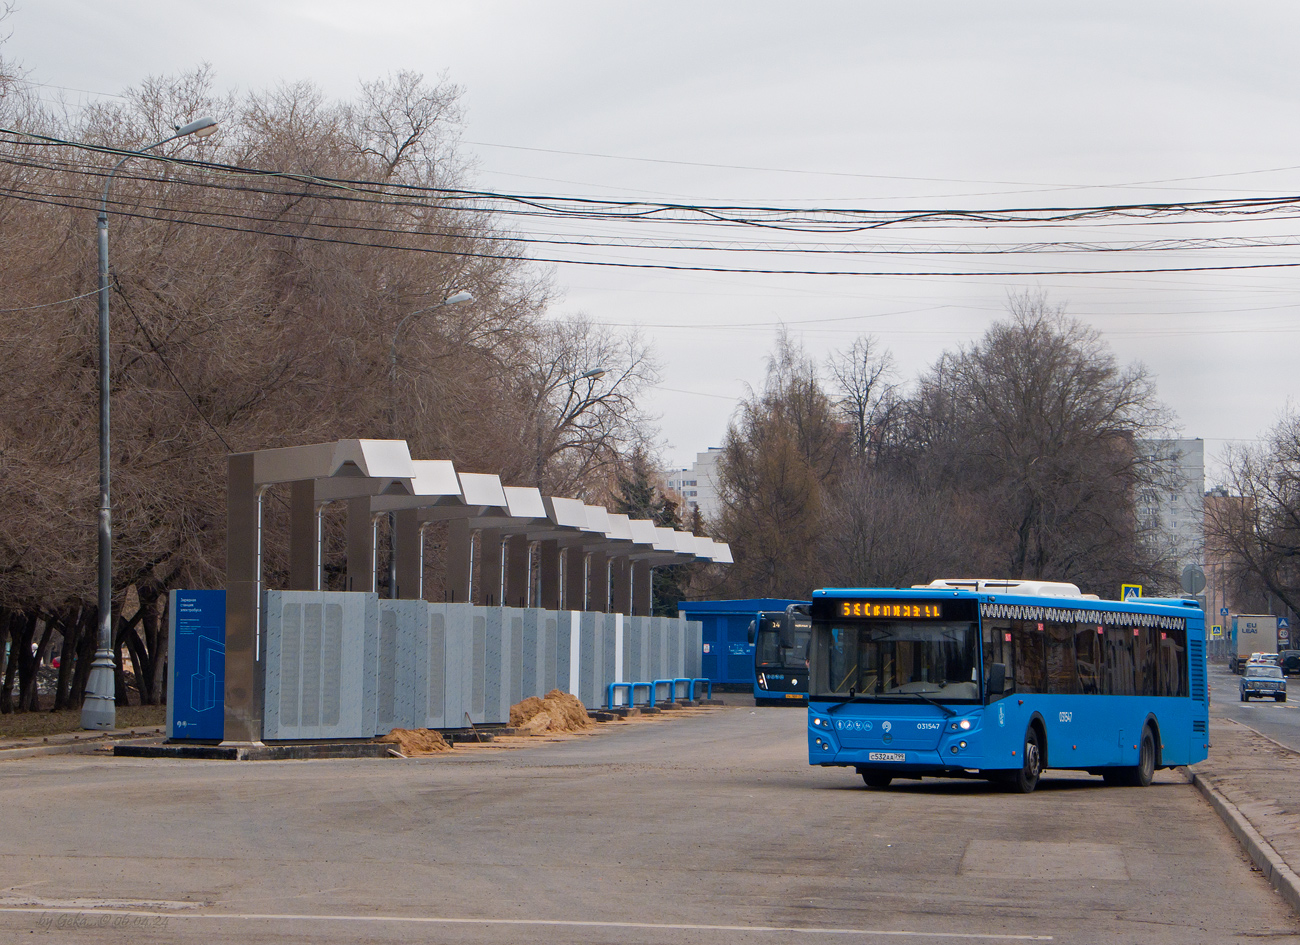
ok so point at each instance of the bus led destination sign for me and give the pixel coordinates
(890, 608)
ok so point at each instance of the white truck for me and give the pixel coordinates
(1251, 633)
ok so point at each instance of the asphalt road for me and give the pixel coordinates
(1277, 720)
(705, 830)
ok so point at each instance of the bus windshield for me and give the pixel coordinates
(898, 660)
(771, 651)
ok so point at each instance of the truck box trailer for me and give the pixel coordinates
(1251, 633)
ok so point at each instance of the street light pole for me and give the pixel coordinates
(99, 710)
(392, 421)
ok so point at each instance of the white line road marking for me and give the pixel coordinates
(562, 923)
(8, 903)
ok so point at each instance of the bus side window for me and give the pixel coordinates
(1173, 663)
(1119, 672)
(1062, 677)
(1146, 646)
(1031, 660)
(1087, 658)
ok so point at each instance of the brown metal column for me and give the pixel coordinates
(361, 546)
(598, 582)
(304, 568)
(489, 568)
(620, 579)
(410, 555)
(517, 576)
(243, 704)
(460, 561)
(641, 588)
(549, 566)
(575, 579)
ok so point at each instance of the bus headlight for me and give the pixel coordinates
(964, 725)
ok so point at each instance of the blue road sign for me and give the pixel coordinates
(1223, 611)
(1283, 623)
(1130, 591)
(196, 654)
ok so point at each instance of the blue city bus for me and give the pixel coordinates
(1002, 680)
(780, 639)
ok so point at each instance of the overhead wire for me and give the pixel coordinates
(585, 249)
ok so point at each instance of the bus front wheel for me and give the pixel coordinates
(1026, 779)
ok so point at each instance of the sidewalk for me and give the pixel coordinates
(1250, 781)
(68, 742)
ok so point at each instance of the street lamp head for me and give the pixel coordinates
(594, 374)
(199, 127)
(458, 297)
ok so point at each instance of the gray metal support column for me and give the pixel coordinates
(243, 587)
(361, 546)
(460, 561)
(304, 563)
(490, 551)
(598, 582)
(410, 555)
(641, 588)
(575, 579)
(549, 565)
(620, 579)
(517, 574)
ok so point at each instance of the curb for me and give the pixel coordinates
(1280, 876)
(70, 748)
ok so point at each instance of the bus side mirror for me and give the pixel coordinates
(997, 679)
(752, 629)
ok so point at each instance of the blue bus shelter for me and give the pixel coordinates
(728, 658)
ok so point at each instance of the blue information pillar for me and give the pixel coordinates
(196, 657)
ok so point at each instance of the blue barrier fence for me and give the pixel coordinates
(652, 690)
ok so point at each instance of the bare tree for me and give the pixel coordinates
(781, 453)
(868, 398)
(580, 389)
(1039, 421)
(251, 311)
(1258, 525)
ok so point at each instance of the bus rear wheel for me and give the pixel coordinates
(875, 779)
(1140, 774)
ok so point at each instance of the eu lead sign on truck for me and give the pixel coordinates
(196, 657)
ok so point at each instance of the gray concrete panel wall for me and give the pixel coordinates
(478, 666)
(435, 680)
(551, 651)
(608, 669)
(320, 678)
(587, 659)
(514, 620)
(349, 665)
(694, 649)
(655, 660)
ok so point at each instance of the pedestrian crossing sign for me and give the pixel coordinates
(1130, 591)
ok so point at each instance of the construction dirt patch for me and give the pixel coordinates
(557, 713)
(416, 741)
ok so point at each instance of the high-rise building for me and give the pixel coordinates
(1174, 510)
(698, 485)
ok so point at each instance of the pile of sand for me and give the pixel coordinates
(416, 741)
(558, 712)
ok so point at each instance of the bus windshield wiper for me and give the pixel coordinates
(938, 705)
(839, 703)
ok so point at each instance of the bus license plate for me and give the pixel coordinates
(886, 756)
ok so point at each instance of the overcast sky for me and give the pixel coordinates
(935, 105)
